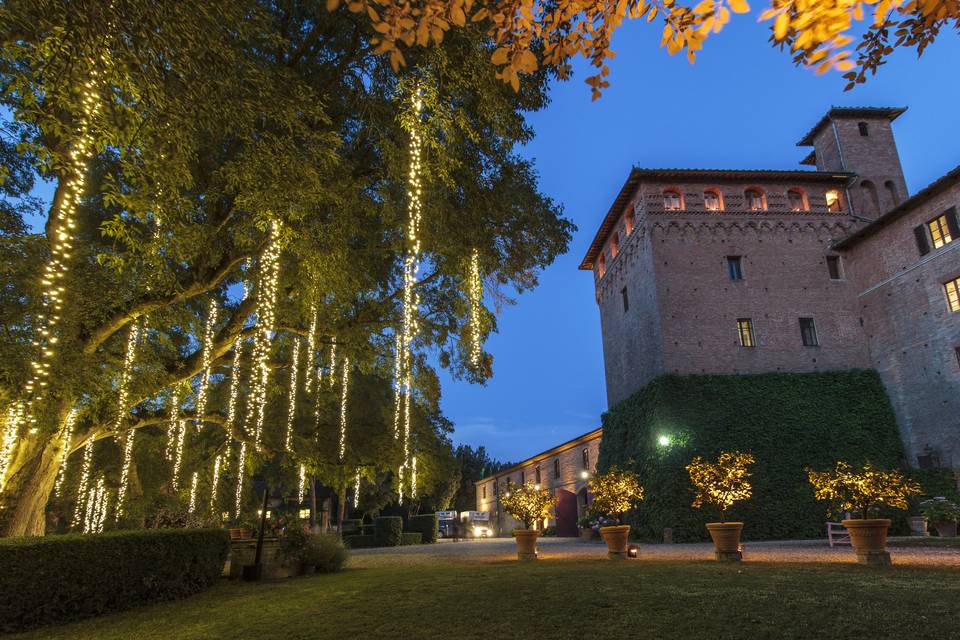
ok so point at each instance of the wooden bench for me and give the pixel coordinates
(837, 534)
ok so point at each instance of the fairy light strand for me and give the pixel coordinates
(193, 492)
(343, 407)
(475, 292)
(333, 361)
(292, 408)
(97, 503)
(83, 484)
(123, 393)
(241, 459)
(309, 373)
(301, 484)
(413, 478)
(178, 454)
(208, 335)
(172, 425)
(356, 489)
(68, 425)
(11, 433)
(214, 482)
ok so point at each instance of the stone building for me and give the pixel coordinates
(753, 271)
(564, 469)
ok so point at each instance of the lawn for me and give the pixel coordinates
(555, 600)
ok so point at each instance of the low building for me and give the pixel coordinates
(565, 469)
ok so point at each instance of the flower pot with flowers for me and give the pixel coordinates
(943, 514)
(862, 492)
(614, 493)
(529, 504)
(719, 485)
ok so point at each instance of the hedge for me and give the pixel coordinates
(368, 529)
(789, 421)
(360, 542)
(408, 538)
(56, 579)
(352, 524)
(427, 525)
(387, 531)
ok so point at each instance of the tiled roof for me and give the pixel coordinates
(908, 205)
(891, 113)
(587, 437)
(637, 174)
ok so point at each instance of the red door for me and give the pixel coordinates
(566, 513)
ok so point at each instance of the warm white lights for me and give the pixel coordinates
(123, 393)
(413, 478)
(215, 482)
(78, 507)
(241, 458)
(174, 415)
(309, 374)
(208, 335)
(97, 499)
(266, 314)
(663, 441)
(234, 383)
(301, 484)
(356, 489)
(475, 292)
(11, 432)
(178, 454)
(65, 450)
(193, 492)
(292, 408)
(343, 407)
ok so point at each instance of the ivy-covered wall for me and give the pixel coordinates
(789, 421)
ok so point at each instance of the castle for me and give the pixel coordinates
(753, 271)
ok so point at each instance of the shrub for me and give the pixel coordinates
(368, 529)
(549, 532)
(351, 525)
(293, 544)
(789, 422)
(387, 531)
(722, 483)
(360, 542)
(862, 491)
(410, 537)
(527, 503)
(615, 492)
(427, 525)
(325, 552)
(938, 510)
(60, 578)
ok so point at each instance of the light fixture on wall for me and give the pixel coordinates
(664, 441)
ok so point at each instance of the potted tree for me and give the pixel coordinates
(529, 505)
(720, 484)
(614, 493)
(943, 514)
(586, 531)
(861, 493)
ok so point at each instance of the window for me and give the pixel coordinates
(556, 467)
(940, 231)
(585, 458)
(871, 200)
(484, 492)
(834, 202)
(754, 200)
(808, 332)
(833, 267)
(864, 128)
(672, 201)
(745, 332)
(495, 487)
(523, 477)
(952, 289)
(628, 223)
(735, 267)
(892, 192)
(626, 299)
(798, 201)
(601, 265)
(712, 201)
(536, 474)
(615, 244)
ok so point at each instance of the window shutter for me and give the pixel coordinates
(951, 215)
(921, 235)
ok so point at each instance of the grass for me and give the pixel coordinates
(557, 600)
(929, 541)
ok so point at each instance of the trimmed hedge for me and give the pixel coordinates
(408, 538)
(352, 524)
(368, 529)
(360, 542)
(427, 525)
(387, 531)
(788, 421)
(56, 579)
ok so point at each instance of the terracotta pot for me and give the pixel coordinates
(918, 526)
(946, 529)
(616, 539)
(526, 543)
(868, 536)
(726, 539)
(586, 535)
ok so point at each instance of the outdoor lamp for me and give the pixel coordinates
(633, 551)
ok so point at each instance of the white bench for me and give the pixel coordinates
(837, 534)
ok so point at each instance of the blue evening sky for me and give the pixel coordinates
(742, 105)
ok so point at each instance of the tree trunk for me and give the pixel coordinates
(314, 525)
(341, 507)
(26, 494)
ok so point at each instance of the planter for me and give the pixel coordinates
(586, 535)
(616, 539)
(918, 526)
(526, 543)
(869, 540)
(946, 529)
(726, 540)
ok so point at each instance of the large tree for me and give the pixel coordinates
(193, 146)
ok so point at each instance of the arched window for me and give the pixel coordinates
(892, 192)
(602, 265)
(628, 222)
(672, 201)
(712, 200)
(798, 200)
(755, 200)
(834, 200)
(870, 199)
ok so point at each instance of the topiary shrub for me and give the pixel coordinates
(427, 525)
(325, 552)
(360, 542)
(789, 422)
(60, 578)
(410, 537)
(387, 531)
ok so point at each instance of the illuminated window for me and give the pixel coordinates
(864, 128)
(754, 200)
(585, 458)
(628, 223)
(940, 231)
(556, 467)
(601, 265)
(798, 202)
(712, 201)
(952, 288)
(615, 244)
(735, 267)
(833, 267)
(672, 201)
(626, 299)
(808, 332)
(484, 492)
(745, 332)
(834, 202)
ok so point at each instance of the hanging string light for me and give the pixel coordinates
(83, 484)
(343, 407)
(356, 489)
(97, 500)
(11, 434)
(241, 458)
(62, 239)
(292, 408)
(234, 383)
(475, 292)
(193, 492)
(232, 407)
(208, 334)
(309, 374)
(178, 454)
(123, 393)
(173, 425)
(301, 484)
(333, 361)
(65, 450)
(215, 482)
(413, 478)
